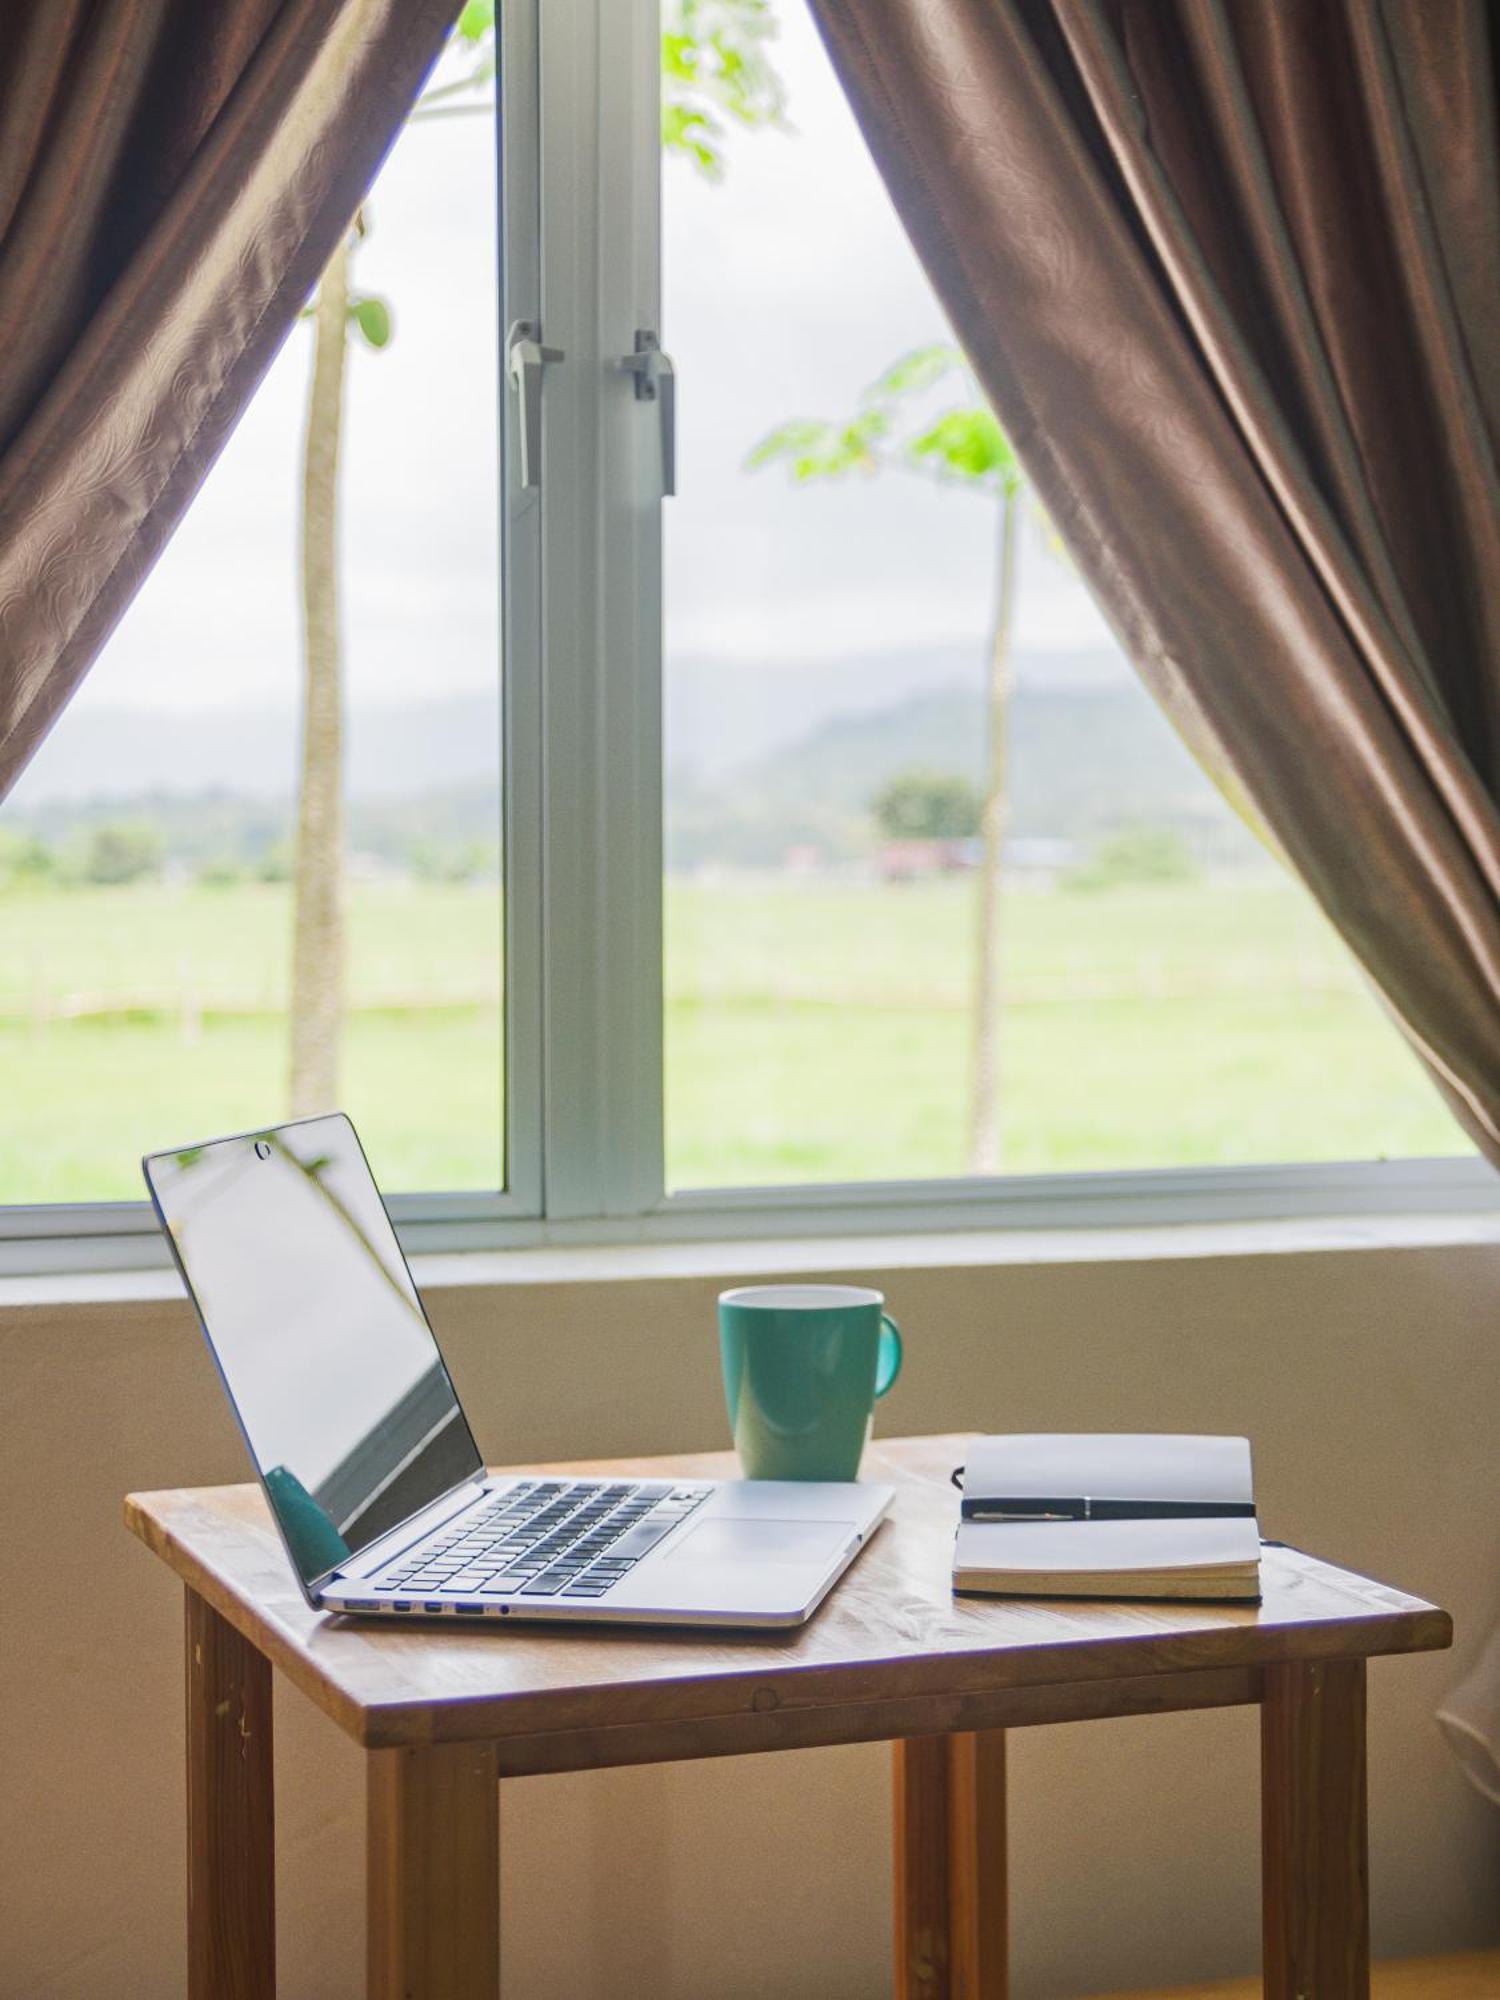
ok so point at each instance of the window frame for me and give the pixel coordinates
(584, 1152)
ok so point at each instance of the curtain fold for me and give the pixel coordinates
(1230, 274)
(173, 177)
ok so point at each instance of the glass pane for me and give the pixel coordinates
(1167, 996)
(148, 855)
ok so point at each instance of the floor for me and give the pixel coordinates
(1472, 1975)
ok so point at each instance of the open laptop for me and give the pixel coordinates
(367, 1458)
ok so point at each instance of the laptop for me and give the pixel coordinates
(369, 1462)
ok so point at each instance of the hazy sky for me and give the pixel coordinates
(788, 288)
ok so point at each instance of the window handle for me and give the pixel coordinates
(656, 382)
(525, 358)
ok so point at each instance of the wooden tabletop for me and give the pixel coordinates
(891, 1653)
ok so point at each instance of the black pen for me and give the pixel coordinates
(1086, 1508)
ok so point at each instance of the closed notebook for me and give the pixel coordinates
(1108, 1514)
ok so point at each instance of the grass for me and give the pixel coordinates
(813, 1032)
(84, 1101)
(816, 1034)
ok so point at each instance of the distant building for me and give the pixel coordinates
(921, 860)
(924, 860)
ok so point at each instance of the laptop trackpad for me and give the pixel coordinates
(722, 1539)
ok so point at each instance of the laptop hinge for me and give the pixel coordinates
(410, 1531)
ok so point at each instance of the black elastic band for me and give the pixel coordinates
(1079, 1507)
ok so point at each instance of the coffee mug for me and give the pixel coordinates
(803, 1366)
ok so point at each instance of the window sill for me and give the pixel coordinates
(1010, 1219)
(815, 1256)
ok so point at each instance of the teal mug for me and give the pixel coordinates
(803, 1366)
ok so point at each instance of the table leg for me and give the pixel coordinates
(231, 1874)
(1315, 1870)
(950, 1867)
(433, 1851)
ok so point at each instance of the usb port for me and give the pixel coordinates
(401, 1607)
(476, 1609)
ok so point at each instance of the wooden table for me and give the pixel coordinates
(445, 1711)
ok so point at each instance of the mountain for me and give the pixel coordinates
(721, 714)
(1090, 753)
(718, 715)
(1085, 761)
(393, 750)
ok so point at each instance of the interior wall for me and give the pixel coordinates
(1369, 1381)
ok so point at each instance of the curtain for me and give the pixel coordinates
(173, 177)
(1229, 271)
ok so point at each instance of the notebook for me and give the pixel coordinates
(1108, 1514)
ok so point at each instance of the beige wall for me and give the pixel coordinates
(1368, 1378)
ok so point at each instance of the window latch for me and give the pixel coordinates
(525, 358)
(656, 382)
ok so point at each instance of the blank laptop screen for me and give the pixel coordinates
(318, 1332)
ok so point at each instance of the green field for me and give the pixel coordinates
(814, 1031)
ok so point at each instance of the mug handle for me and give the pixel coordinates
(888, 1367)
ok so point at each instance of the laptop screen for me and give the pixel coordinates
(318, 1332)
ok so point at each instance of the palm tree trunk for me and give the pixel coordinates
(984, 1127)
(318, 920)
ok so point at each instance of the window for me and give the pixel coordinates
(148, 856)
(1161, 994)
(692, 941)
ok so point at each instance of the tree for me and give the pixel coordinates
(24, 857)
(714, 67)
(316, 1012)
(928, 805)
(120, 852)
(892, 426)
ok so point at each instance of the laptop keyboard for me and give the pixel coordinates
(570, 1538)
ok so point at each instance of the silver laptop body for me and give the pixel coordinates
(368, 1461)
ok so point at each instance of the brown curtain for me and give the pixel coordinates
(174, 174)
(1230, 272)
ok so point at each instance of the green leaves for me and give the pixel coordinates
(967, 444)
(915, 373)
(476, 21)
(892, 425)
(695, 135)
(373, 318)
(715, 66)
(817, 450)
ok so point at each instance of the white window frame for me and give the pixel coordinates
(580, 204)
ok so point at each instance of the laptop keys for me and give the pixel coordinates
(554, 1537)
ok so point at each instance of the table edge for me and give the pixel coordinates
(780, 1690)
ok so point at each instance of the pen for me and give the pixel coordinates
(1088, 1508)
